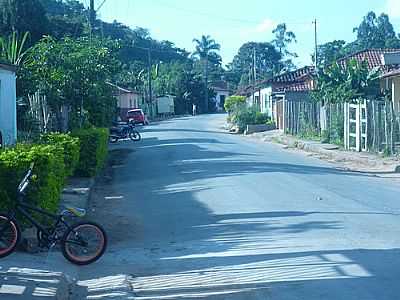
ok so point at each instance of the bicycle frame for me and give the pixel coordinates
(24, 209)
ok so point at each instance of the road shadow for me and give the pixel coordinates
(167, 244)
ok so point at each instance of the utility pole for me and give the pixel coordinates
(150, 82)
(254, 75)
(92, 15)
(316, 44)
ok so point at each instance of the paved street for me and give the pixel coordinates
(195, 213)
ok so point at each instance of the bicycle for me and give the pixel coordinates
(82, 243)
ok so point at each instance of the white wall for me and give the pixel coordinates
(8, 107)
(217, 99)
(396, 93)
(265, 96)
(129, 100)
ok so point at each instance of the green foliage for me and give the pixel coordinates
(74, 72)
(70, 147)
(261, 118)
(243, 116)
(268, 59)
(283, 38)
(329, 52)
(12, 49)
(233, 103)
(376, 32)
(49, 167)
(338, 84)
(93, 150)
(23, 16)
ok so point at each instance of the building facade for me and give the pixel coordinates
(8, 105)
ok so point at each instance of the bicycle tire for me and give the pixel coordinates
(71, 254)
(14, 233)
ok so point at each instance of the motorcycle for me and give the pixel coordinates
(124, 131)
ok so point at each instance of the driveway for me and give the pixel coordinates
(195, 213)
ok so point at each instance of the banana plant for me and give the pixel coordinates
(12, 48)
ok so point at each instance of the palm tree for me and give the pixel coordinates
(206, 47)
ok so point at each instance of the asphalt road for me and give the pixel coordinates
(196, 213)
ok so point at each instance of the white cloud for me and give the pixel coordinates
(266, 25)
(393, 8)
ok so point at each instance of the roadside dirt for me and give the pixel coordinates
(104, 199)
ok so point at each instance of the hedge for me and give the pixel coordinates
(70, 147)
(49, 167)
(93, 150)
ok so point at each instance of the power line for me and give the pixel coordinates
(218, 17)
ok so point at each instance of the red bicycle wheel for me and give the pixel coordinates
(9, 235)
(84, 243)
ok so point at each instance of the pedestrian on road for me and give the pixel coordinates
(194, 108)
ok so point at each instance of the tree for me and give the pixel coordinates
(23, 16)
(376, 32)
(337, 84)
(66, 18)
(268, 60)
(74, 73)
(283, 38)
(329, 52)
(206, 47)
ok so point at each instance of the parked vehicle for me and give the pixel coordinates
(124, 131)
(81, 243)
(137, 116)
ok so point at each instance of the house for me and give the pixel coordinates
(270, 95)
(126, 100)
(361, 131)
(8, 105)
(222, 92)
(390, 79)
(165, 105)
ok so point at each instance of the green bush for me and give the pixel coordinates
(93, 150)
(233, 103)
(45, 190)
(69, 145)
(261, 118)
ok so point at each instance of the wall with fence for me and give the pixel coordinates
(364, 125)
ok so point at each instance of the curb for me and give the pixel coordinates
(317, 148)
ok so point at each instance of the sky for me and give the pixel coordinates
(234, 22)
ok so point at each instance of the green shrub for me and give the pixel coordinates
(261, 118)
(69, 145)
(243, 117)
(45, 190)
(93, 150)
(232, 103)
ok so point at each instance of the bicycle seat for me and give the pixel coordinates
(75, 211)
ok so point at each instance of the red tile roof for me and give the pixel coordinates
(298, 75)
(305, 86)
(372, 56)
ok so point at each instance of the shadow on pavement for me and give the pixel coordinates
(166, 244)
